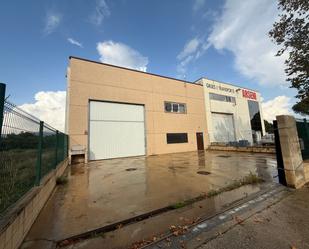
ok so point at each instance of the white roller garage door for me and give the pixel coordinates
(116, 130)
(223, 127)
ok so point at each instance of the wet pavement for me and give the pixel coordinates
(104, 192)
(140, 233)
(284, 225)
(209, 228)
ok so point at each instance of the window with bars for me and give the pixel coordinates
(175, 107)
(220, 97)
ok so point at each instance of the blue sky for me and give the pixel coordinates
(224, 40)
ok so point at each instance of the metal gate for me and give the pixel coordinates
(303, 135)
(280, 164)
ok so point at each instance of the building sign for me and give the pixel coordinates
(248, 94)
(221, 88)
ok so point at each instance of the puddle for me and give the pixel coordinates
(131, 169)
(202, 172)
(105, 187)
(224, 156)
(177, 167)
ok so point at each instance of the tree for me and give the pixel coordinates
(291, 32)
(269, 128)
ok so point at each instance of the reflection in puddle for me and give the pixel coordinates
(102, 192)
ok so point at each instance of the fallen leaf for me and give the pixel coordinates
(172, 227)
(65, 242)
(257, 220)
(238, 220)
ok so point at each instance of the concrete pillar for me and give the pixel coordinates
(291, 152)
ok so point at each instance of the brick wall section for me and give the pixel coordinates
(17, 223)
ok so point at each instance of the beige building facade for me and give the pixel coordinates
(117, 112)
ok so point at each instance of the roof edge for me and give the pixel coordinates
(228, 84)
(134, 70)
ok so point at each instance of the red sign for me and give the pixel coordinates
(248, 94)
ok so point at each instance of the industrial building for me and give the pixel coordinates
(119, 112)
(233, 113)
(114, 112)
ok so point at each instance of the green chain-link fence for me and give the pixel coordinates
(303, 134)
(29, 149)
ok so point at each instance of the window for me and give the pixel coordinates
(219, 97)
(175, 107)
(255, 116)
(176, 138)
(168, 107)
(182, 108)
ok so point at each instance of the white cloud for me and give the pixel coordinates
(198, 4)
(192, 50)
(243, 29)
(280, 105)
(49, 107)
(75, 42)
(182, 66)
(101, 12)
(120, 54)
(52, 21)
(189, 48)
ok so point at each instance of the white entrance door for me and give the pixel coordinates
(223, 127)
(116, 130)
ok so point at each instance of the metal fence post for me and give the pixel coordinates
(2, 97)
(39, 158)
(67, 147)
(306, 140)
(56, 156)
(306, 128)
